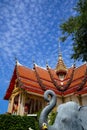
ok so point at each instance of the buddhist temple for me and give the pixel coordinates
(27, 86)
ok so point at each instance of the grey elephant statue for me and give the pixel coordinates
(70, 116)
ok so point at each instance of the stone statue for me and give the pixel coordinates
(70, 116)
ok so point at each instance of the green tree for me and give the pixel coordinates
(76, 27)
(14, 122)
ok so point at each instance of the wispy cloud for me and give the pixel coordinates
(29, 30)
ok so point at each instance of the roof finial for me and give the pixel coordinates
(17, 62)
(33, 62)
(47, 64)
(59, 48)
(60, 67)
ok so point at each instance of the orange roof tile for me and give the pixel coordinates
(43, 73)
(69, 71)
(26, 73)
(79, 72)
(32, 89)
(30, 82)
(53, 72)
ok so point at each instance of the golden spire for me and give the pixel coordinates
(60, 67)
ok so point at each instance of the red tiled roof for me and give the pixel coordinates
(43, 73)
(30, 81)
(26, 73)
(79, 72)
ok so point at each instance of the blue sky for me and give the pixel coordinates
(29, 30)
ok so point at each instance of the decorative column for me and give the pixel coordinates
(80, 99)
(19, 99)
(22, 100)
(63, 99)
(43, 103)
(10, 106)
(30, 106)
(34, 105)
(38, 104)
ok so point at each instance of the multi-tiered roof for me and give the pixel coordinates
(62, 80)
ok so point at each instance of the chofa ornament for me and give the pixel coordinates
(70, 116)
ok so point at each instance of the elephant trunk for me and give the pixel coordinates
(48, 108)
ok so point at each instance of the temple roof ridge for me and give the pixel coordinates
(77, 67)
(36, 65)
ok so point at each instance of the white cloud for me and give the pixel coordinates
(30, 31)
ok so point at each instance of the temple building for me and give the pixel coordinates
(27, 86)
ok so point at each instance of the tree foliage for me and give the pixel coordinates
(11, 122)
(51, 117)
(76, 27)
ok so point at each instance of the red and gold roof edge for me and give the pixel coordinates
(11, 85)
(44, 81)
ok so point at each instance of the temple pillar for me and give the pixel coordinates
(63, 100)
(43, 104)
(19, 99)
(37, 105)
(10, 106)
(22, 103)
(40, 105)
(34, 105)
(30, 111)
(80, 99)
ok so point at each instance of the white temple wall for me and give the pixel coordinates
(59, 101)
(71, 98)
(84, 100)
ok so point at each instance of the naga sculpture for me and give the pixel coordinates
(70, 116)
